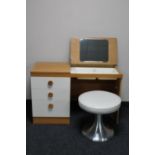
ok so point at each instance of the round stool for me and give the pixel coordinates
(99, 102)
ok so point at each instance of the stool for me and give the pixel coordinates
(99, 102)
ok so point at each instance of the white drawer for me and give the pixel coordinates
(60, 108)
(43, 94)
(42, 82)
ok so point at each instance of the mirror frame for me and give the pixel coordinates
(75, 53)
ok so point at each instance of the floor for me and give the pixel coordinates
(68, 140)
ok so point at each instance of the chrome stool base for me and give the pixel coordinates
(98, 132)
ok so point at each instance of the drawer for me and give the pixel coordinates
(40, 108)
(43, 94)
(48, 82)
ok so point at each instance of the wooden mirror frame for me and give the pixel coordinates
(75, 53)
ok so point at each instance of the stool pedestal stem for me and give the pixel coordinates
(98, 132)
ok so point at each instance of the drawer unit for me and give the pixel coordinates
(50, 97)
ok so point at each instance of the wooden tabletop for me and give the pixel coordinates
(62, 69)
(50, 68)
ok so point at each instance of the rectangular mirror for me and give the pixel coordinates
(93, 50)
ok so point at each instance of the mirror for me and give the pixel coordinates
(93, 50)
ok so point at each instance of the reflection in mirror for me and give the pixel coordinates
(93, 50)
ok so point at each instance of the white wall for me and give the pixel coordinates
(52, 23)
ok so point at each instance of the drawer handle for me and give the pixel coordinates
(50, 94)
(50, 83)
(50, 106)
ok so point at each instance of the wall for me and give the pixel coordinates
(52, 23)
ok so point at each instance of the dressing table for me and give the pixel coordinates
(54, 84)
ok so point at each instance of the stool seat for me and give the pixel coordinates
(99, 102)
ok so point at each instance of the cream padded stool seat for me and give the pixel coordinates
(99, 102)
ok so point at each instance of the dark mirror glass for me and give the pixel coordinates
(93, 50)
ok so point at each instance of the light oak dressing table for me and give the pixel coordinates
(55, 84)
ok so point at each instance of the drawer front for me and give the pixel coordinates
(41, 97)
(45, 82)
(40, 108)
(43, 94)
